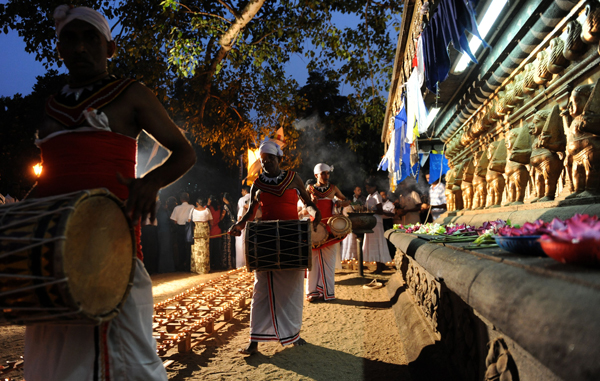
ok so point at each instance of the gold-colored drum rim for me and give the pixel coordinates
(98, 293)
(321, 241)
(339, 232)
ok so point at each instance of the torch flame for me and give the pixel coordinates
(37, 169)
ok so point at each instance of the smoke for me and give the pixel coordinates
(316, 147)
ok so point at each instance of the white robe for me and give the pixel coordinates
(277, 302)
(375, 248)
(240, 247)
(75, 352)
(349, 247)
(321, 277)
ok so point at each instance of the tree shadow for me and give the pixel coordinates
(324, 364)
(357, 303)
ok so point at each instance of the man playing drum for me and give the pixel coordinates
(321, 277)
(278, 297)
(88, 140)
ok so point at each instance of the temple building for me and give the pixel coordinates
(508, 93)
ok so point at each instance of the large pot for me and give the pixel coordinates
(362, 222)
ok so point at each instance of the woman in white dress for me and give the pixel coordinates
(375, 248)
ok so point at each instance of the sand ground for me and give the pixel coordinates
(353, 337)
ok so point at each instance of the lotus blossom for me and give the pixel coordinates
(575, 229)
(536, 228)
(492, 226)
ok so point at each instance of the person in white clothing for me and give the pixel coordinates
(375, 248)
(321, 276)
(243, 202)
(180, 216)
(437, 197)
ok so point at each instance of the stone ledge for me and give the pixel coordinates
(548, 312)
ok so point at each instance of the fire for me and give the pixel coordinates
(37, 169)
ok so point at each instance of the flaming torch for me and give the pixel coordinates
(37, 169)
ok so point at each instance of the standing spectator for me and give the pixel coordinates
(410, 202)
(358, 197)
(200, 259)
(437, 197)
(243, 202)
(349, 247)
(226, 222)
(165, 243)
(180, 216)
(390, 209)
(375, 246)
(216, 249)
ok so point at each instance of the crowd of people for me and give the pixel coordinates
(169, 247)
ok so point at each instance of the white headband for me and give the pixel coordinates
(270, 148)
(322, 167)
(64, 14)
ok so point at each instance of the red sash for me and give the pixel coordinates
(77, 161)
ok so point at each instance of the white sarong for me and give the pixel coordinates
(349, 247)
(375, 248)
(321, 277)
(277, 302)
(240, 247)
(122, 349)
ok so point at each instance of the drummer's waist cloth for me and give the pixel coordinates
(122, 349)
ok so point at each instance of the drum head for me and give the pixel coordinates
(320, 236)
(98, 255)
(339, 225)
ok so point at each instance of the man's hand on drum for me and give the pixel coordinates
(142, 197)
(237, 229)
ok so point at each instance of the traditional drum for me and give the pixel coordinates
(320, 236)
(339, 226)
(66, 259)
(278, 245)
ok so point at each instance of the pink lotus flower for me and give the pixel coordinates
(536, 228)
(575, 229)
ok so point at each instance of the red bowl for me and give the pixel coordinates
(580, 253)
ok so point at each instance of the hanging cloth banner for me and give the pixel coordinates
(416, 111)
(437, 164)
(451, 20)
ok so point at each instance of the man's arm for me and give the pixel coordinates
(344, 201)
(151, 116)
(237, 228)
(310, 205)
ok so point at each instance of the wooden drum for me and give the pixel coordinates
(320, 236)
(339, 226)
(278, 245)
(66, 259)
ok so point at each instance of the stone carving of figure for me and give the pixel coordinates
(456, 189)
(495, 174)
(583, 140)
(518, 151)
(467, 184)
(549, 139)
(480, 162)
(450, 176)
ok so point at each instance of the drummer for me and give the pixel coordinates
(88, 140)
(276, 191)
(321, 277)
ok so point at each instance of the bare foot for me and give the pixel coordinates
(300, 342)
(251, 349)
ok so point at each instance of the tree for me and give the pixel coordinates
(219, 67)
(18, 152)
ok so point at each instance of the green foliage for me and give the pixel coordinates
(17, 132)
(227, 97)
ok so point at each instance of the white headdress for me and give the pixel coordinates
(271, 148)
(64, 14)
(322, 167)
